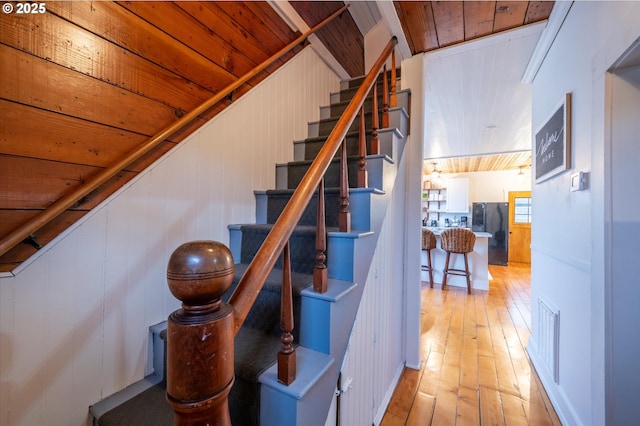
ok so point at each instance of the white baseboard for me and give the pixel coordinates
(558, 398)
(387, 397)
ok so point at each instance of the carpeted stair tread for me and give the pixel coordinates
(265, 312)
(312, 146)
(149, 408)
(326, 125)
(299, 281)
(278, 199)
(356, 82)
(297, 169)
(309, 162)
(290, 191)
(354, 134)
(337, 108)
(301, 242)
(254, 352)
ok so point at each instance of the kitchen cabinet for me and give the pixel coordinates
(457, 195)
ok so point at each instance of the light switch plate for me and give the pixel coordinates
(579, 181)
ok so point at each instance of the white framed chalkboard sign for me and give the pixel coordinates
(552, 142)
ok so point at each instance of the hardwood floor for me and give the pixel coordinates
(475, 370)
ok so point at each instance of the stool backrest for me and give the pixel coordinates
(428, 240)
(457, 240)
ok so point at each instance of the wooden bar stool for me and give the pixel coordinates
(428, 243)
(458, 241)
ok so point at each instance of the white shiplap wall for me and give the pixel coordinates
(375, 356)
(74, 321)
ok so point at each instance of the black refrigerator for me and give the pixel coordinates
(494, 219)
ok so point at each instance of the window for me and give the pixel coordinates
(522, 212)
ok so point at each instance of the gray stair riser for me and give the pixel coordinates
(336, 109)
(343, 97)
(308, 149)
(276, 203)
(265, 313)
(347, 91)
(296, 172)
(397, 120)
(302, 247)
(313, 146)
(325, 127)
(402, 98)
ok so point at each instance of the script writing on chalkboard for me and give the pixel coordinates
(552, 144)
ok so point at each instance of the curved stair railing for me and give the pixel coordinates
(28, 228)
(200, 336)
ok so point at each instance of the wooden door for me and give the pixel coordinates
(520, 226)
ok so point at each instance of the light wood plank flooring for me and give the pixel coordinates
(475, 370)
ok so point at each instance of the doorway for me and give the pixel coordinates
(520, 227)
(622, 233)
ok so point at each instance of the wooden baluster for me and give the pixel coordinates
(362, 153)
(287, 354)
(385, 99)
(375, 145)
(394, 98)
(320, 270)
(198, 274)
(344, 217)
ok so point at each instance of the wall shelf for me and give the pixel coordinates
(433, 203)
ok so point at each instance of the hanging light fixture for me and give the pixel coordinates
(520, 173)
(435, 171)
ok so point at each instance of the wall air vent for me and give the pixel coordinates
(549, 337)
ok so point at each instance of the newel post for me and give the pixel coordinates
(200, 335)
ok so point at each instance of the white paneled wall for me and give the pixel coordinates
(74, 321)
(375, 356)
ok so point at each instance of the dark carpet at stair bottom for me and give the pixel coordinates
(150, 408)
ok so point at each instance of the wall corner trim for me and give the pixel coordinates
(556, 19)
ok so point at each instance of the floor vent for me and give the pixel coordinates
(548, 336)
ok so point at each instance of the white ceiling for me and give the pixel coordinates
(475, 102)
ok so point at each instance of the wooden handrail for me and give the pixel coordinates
(256, 273)
(54, 210)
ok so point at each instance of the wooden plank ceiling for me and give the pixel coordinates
(342, 37)
(481, 163)
(86, 82)
(431, 25)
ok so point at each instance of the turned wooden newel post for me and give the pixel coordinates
(200, 335)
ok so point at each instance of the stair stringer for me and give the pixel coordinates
(350, 263)
(307, 400)
(362, 396)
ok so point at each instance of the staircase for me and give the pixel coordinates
(323, 322)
